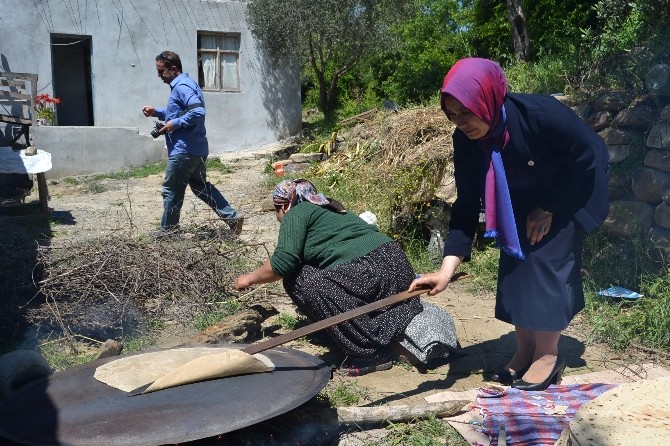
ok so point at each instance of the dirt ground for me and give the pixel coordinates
(120, 206)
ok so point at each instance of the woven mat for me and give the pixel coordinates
(535, 418)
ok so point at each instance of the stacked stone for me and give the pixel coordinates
(634, 129)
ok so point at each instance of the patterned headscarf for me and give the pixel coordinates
(298, 190)
(480, 85)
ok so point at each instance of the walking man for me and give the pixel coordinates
(187, 147)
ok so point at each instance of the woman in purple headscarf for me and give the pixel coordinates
(540, 174)
(332, 261)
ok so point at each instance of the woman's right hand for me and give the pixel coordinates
(436, 281)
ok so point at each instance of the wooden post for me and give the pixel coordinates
(43, 193)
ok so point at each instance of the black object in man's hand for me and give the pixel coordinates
(156, 132)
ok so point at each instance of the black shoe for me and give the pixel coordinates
(354, 366)
(505, 376)
(553, 378)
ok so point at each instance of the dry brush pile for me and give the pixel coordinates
(117, 286)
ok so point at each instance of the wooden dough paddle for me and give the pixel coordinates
(323, 324)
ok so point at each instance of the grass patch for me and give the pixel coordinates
(482, 268)
(344, 393)
(71, 181)
(428, 432)
(92, 183)
(61, 354)
(288, 321)
(139, 343)
(616, 262)
(218, 165)
(136, 172)
(146, 339)
(645, 322)
(220, 310)
(402, 364)
(415, 248)
(94, 186)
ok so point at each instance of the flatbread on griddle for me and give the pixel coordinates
(129, 373)
(220, 365)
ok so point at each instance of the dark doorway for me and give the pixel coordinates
(71, 61)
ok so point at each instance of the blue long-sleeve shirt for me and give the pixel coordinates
(189, 135)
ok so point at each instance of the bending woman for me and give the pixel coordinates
(541, 174)
(332, 261)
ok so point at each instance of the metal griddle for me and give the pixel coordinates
(73, 408)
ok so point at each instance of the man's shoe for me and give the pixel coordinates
(235, 224)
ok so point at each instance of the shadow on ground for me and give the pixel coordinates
(487, 355)
(23, 229)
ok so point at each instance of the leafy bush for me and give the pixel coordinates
(547, 76)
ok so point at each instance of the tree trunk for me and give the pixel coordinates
(325, 102)
(327, 96)
(519, 30)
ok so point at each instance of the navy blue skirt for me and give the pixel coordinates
(544, 291)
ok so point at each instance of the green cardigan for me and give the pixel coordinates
(312, 235)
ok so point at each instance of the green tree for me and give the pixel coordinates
(428, 44)
(329, 36)
(553, 28)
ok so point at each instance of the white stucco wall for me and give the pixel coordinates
(125, 39)
(88, 150)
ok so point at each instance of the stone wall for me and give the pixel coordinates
(637, 133)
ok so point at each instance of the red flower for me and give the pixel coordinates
(43, 99)
(44, 108)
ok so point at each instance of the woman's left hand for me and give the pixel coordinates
(264, 274)
(538, 224)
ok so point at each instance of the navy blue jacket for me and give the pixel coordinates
(569, 160)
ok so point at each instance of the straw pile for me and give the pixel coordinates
(411, 151)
